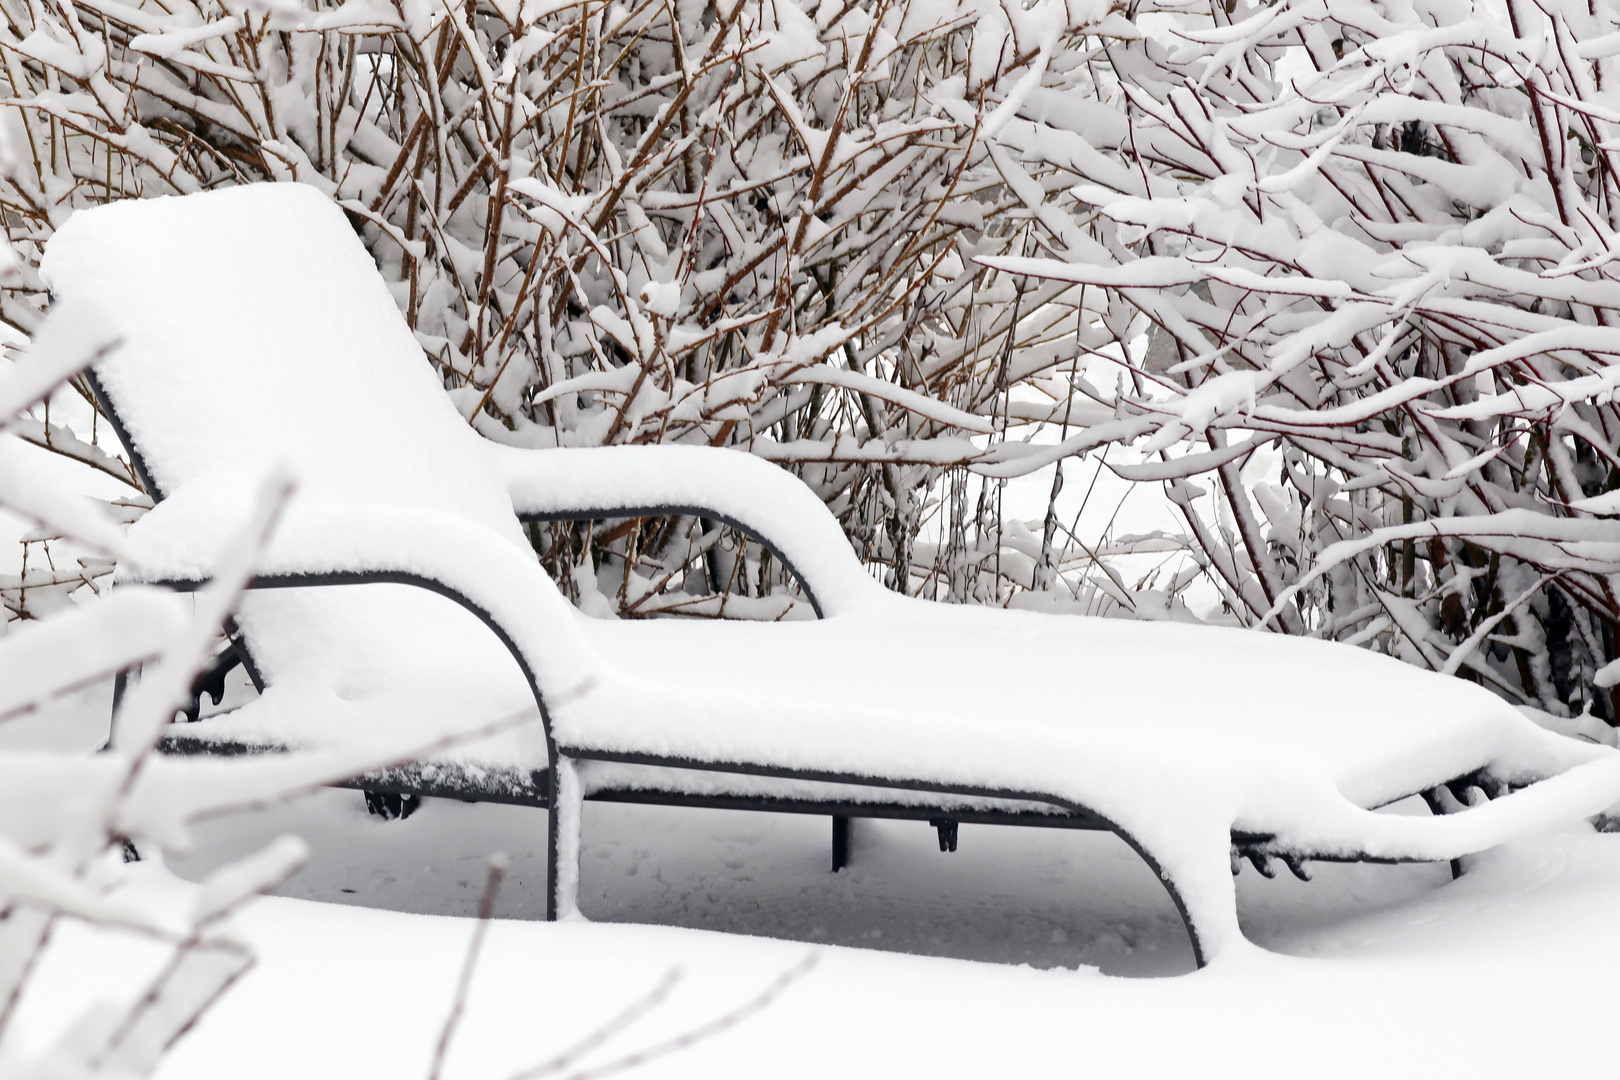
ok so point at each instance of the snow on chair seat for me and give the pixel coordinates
(256, 331)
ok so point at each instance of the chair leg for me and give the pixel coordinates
(1199, 882)
(840, 852)
(390, 806)
(1437, 806)
(563, 841)
(121, 683)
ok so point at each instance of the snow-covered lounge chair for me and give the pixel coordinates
(256, 330)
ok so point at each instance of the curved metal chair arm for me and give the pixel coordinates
(743, 491)
(333, 544)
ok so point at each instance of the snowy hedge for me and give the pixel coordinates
(747, 225)
(1381, 239)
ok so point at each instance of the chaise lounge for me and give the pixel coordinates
(256, 330)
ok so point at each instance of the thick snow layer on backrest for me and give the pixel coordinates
(256, 328)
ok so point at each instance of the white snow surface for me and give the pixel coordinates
(287, 347)
(979, 963)
(1373, 970)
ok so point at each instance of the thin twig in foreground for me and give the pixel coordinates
(700, 1033)
(629, 1015)
(486, 910)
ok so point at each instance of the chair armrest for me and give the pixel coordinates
(177, 542)
(742, 490)
(1339, 829)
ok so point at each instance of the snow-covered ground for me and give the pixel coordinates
(1007, 958)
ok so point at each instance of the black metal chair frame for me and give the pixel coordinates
(536, 790)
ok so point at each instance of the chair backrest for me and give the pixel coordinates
(256, 329)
